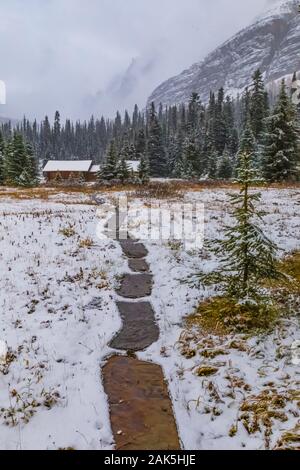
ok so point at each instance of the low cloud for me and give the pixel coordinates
(97, 56)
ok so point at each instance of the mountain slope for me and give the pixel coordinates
(271, 43)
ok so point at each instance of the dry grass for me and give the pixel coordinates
(222, 315)
(155, 189)
(86, 243)
(290, 266)
(68, 231)
(290, 440)
(259, 411)
(286, 289)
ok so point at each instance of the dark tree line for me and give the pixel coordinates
(184, 141)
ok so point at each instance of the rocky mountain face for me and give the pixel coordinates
(271, 43)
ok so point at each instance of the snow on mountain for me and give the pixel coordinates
(271, 43)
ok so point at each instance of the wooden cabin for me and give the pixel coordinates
(56, 171)
(70, 170)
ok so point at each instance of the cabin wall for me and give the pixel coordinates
(65, 175)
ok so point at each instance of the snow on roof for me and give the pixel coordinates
(133, 165)
(68, 165)
(95, 168)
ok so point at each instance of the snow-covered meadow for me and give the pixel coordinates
(58, 313)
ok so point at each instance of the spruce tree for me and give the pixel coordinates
(56, 137)
(280, 161)
(179, 168)
(232, 139)
(25, 179)
(109, 170)
(144, 170)
(247, 144)
(245, 107)
(219, 123)
(225, 167)
(155, 148)
(212, 164)
(29, 176)
(123, 170)
(125, 150)
(247, 255)
(258, 106)
(15, 159)
(191, 157)
(193, 113)
(209, 149)
(140, 146)
(173, 153)
(2, 149)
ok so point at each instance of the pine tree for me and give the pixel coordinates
(247, 255)
(140, 146)
(15, 159)
(174, 153)
(209, 149)
(225, 167)
(247, 144)
(179, 168)
(220, 124)
(132, 152)
(258, 108)
(109, 171)
(29, 176)
(144, 170)
(56, 136)
(191, 157)
(125, 150)
(245, 107)
(212, 165)
(123, 170)
(155, 148)
(232, 138)
(25, 179)
(193, 113)
(280, 161)
(2, 150)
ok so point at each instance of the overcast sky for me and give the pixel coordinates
(96, 56)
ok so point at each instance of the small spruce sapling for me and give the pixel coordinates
(247, 256)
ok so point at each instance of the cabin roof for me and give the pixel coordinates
(68, 165)
(95, 169)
